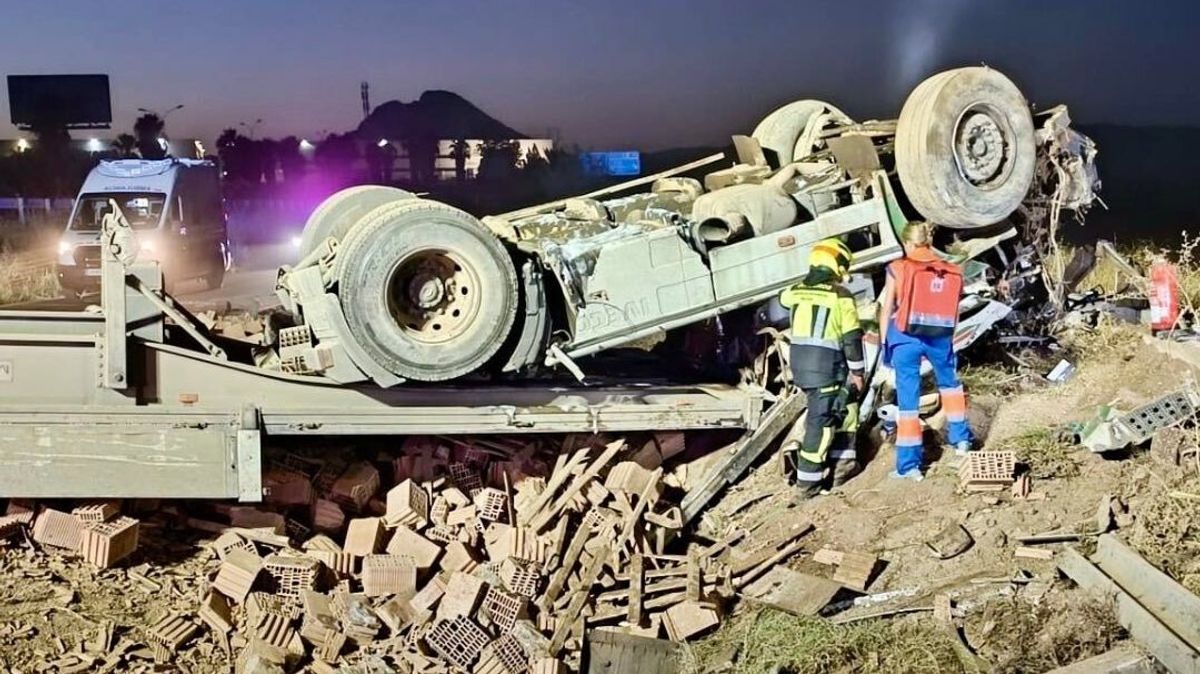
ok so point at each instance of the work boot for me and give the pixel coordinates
(913, 474)
(962, 448)
(843, 471)
(805, 492)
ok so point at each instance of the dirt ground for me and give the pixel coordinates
(53, 609)
(893, 519)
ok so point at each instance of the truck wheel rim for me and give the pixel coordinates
(433, 296)
(983, 146)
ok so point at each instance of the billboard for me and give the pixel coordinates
(611, 163)
(73, 101)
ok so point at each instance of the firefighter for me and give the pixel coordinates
(826, 348)
(917, 317)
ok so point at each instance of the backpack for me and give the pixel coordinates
(927, 294)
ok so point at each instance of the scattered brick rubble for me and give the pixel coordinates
(492, 556)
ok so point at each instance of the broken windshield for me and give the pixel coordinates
(142, 209)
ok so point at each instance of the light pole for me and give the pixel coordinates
(161, 115)
(250, 128)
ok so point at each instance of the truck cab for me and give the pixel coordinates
(174, 207)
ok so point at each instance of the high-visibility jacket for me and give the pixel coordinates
(826, 336)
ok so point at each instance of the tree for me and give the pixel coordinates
(149, 129)
(535, 163)
(460, 152)
(287, 152)
(498, 159)
(336, 158)
(124, 146)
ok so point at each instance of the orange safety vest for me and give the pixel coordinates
(927, 292)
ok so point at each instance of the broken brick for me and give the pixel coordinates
(462, 596)
(57, 529)
(237, 574)
(407, 505)
(106, 543)
(384, 575)
(328, 516)
(503, 656)
(355, 487)
(423, 551)
(291, 575)
(490, 504)
(363, 536)
(96, 512)
(502, 609)
(459, 640)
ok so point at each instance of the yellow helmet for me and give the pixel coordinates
(831, 254)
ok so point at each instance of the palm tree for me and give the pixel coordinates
(124, 146)
(149, 129)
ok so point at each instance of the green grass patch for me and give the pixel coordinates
(766, 641)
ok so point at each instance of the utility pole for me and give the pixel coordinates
(366, 99)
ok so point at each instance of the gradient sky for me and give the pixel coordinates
(607, 75)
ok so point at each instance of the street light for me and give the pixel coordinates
(161, 115)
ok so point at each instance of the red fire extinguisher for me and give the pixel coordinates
(1164, 296)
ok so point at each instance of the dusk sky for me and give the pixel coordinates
(607, 75)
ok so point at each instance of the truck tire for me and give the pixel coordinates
(965, 148)
(338, 213)
(428, 292)
(786, 135)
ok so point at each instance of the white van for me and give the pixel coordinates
(175, 209)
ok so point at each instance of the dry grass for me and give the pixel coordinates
(761, 642)
(1167, 532)
(21, 281)
(1017, 636)
(1045, 451)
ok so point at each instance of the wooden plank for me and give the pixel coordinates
(580, 595)
(543, 518)
(559, 580)
(1170, 602)
(636, 580)
(778, 419)
(562, 471)
(1172, 651)
(611, 652)
(1120, 660)
(791, 591)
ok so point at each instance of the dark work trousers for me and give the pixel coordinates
(830, 425)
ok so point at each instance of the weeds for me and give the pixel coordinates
(21, 281)
(1167, 532)
(1045, 451)
(1018, 636)
(766, 641)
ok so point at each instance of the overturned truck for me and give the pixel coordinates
(392, 287)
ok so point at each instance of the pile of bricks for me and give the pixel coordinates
(469, 556)
(480, 555)
(95, 531)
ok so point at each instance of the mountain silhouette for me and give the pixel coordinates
(439, 115)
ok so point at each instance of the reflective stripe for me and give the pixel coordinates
(807, 476)
(856, 364)
(820, 321)
(817, 342)
(843, 454)
(931, 320)
(954, 403)
(908, 429)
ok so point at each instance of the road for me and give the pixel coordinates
(248, 287)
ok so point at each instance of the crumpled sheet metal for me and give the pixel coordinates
(1073, 155)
